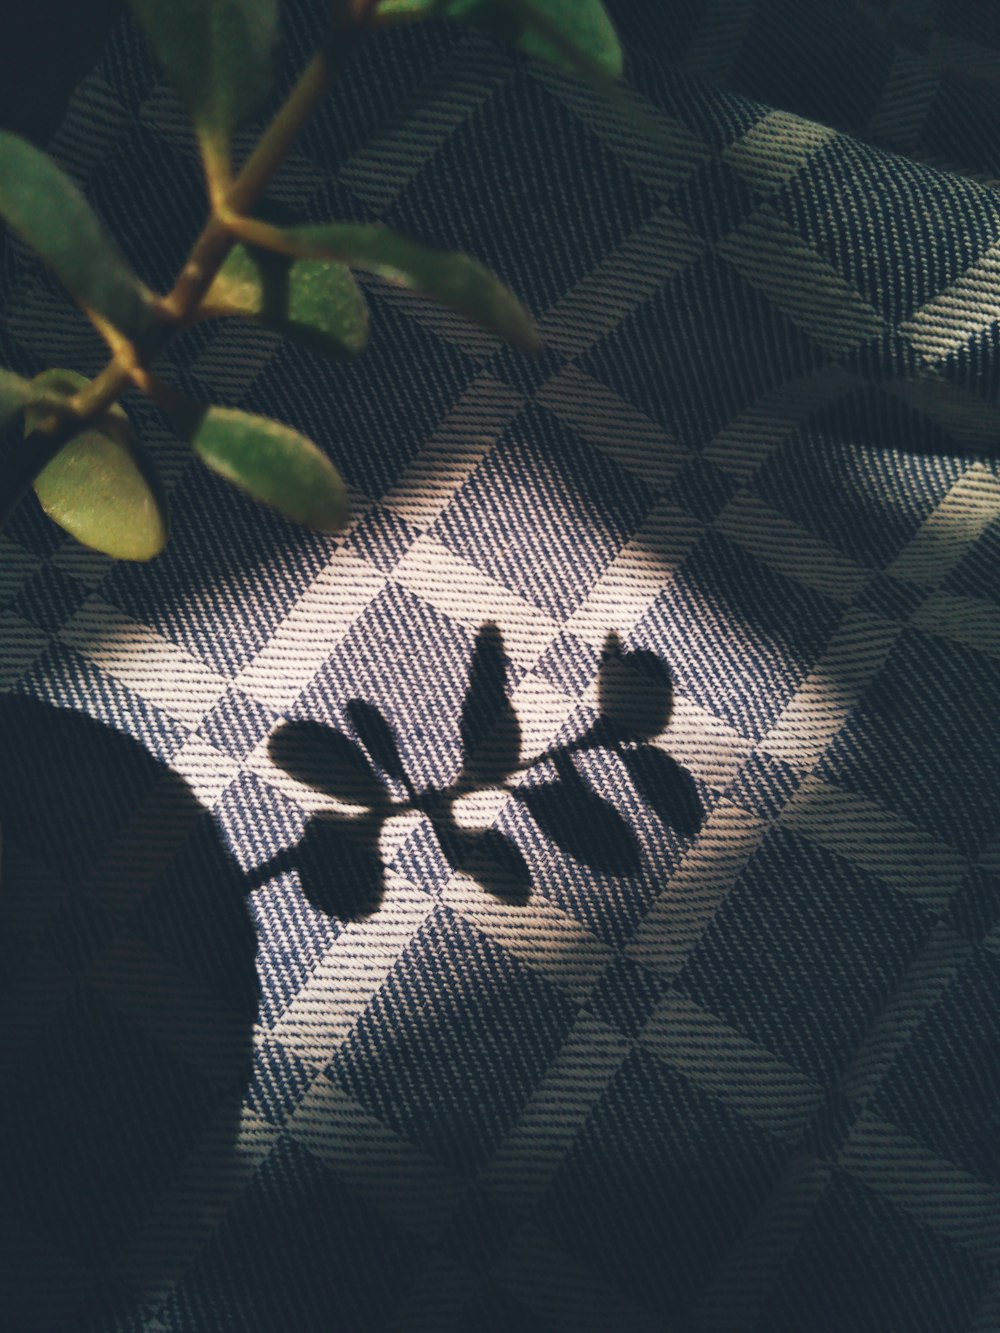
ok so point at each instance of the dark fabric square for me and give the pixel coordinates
(824, 62)
(480, 1229)
(830, 1126)
(885, 357)
(925, 741)
(712, 113)
(377, 83)
(524, 186)
(454, 1042)
(763, 785)
(646, 27)
(524, 373)
(298, 1251)
(42, 1289)
(372, 415)
(155, 212)
(893, 598)
(128, 64)
(977, 574)
(739, 636)
(93, 1126)
(962, 118)
(854, 205)
(544, 513)
(713, 201)
(237, 723)
(693, 374)
(493, 1310)
(971, 20)
(974, 909)
(944, 1088)
(658, 1185)
(867, 1266)
(626, 996)
(49, 598)
(31, 528)
(803, 953)
(257, 822)
(190, 344)
(702, 489)
(840, 475)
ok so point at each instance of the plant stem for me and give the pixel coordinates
(275, 143)
(208, 252)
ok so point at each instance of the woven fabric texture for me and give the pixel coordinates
(570, 899)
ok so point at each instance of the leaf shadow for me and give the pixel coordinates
(338, 857)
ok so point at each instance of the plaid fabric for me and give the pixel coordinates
(699, 1031)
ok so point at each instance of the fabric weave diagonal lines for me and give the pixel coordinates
(371, 957)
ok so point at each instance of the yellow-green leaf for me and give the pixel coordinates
(216, 53)
(453, 279)
(98, 487)
(312, 301)
(42, 205)
(274, 464)
(15, 392)
(575, 34)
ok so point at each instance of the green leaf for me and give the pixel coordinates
(574, 34)
(311, 301)
(98, 487)
(453, 279)
(15, 393)
(216, 53)
(44, 207)
(273, 463)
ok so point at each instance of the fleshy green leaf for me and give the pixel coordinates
(15, 393)
(42, 205)
(453, 279)
(98, 487)
(216, 53)
(575, 34)
(273, 463)
(312, 301)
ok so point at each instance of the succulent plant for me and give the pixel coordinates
(79, 452)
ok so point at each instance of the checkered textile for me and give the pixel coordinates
(280, 1058)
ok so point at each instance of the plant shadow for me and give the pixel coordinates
(338, 856)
